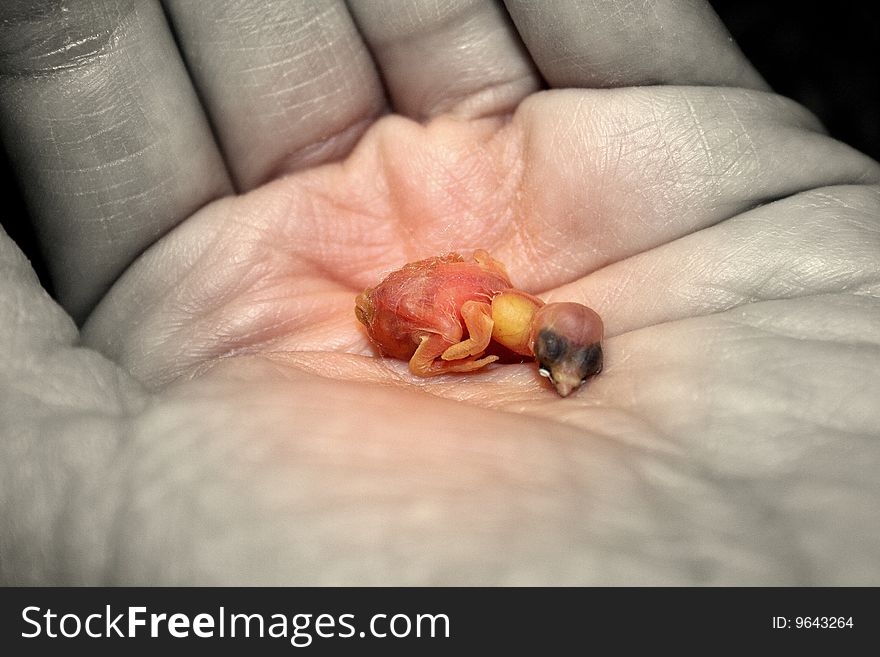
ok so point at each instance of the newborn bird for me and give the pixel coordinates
(442, 314)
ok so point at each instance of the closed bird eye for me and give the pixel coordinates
(550, 346)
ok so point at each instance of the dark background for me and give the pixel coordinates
(824, 55)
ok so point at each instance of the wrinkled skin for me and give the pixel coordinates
(222, 419)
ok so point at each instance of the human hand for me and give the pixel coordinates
(240, 429)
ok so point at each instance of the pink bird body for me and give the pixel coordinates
(444, 313)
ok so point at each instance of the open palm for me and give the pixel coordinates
(239, 427)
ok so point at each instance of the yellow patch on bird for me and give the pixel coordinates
(512, 313)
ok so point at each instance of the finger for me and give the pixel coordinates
(447, 57)
(811, 244)
(799, 372)
(61, 421)
(615, 172)
(106, 133)
(607, 43)
(287, 85)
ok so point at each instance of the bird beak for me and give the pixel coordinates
(574, 367)
(566, 382)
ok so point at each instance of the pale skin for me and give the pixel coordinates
(222, 418)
